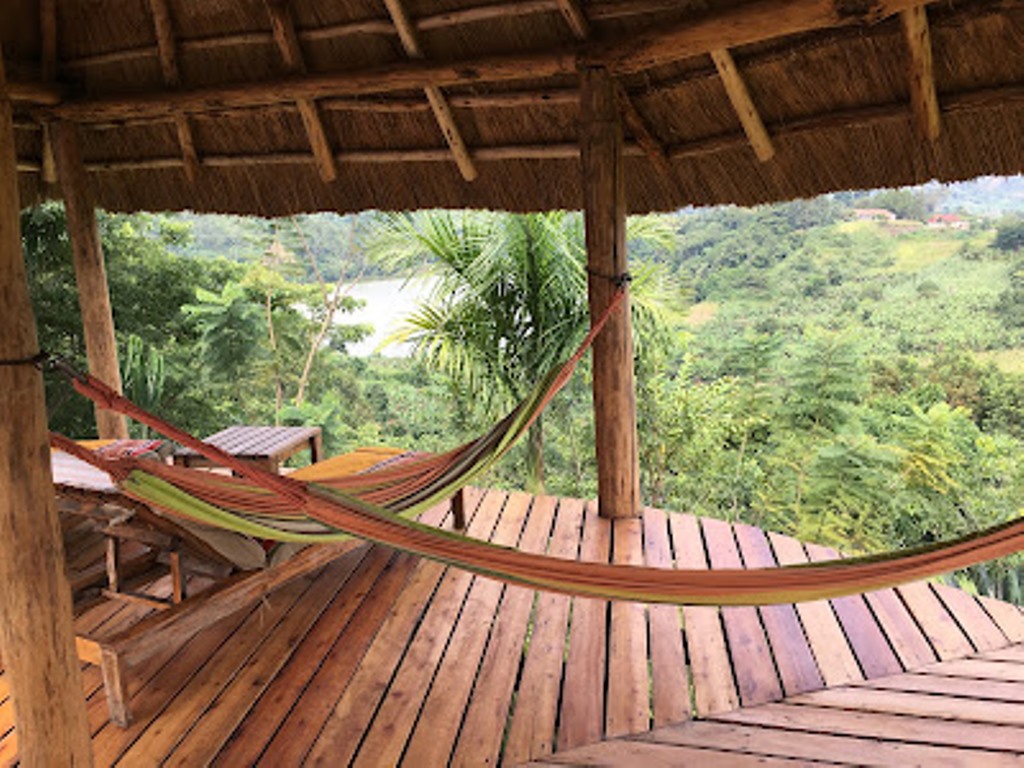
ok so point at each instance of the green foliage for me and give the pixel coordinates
(1010, 235)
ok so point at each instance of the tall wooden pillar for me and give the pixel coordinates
(618, 474)
(36, 634)
(90, 273)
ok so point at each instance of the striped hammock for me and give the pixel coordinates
(378, 506)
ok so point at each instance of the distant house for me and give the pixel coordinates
(948, 221)
(873, 214)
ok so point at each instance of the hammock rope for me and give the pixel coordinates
(377, 506)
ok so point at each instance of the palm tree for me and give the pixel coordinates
(509, 301)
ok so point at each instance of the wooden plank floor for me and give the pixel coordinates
(953, 713)
(383, 659)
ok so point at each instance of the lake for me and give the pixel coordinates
(388, 303)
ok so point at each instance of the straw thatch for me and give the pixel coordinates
(835, 99)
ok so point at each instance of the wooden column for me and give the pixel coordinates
(90, 273)
(618, 475)
(35, 603)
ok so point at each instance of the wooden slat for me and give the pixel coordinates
(1014, 653)
(531, 733)
(832, 651)
(653, 755)
(865, 699)
(669, 679)
(385, 739)
(924, 101)
(714, 688)
(433, 734)
(479, 741)
(751, 656)
(399, 594)
(820, 746)
(582, 714)
(1009, 617)
(798, 670)
(980, 669)
(906, 728)
(869, 643)
(353, 575)
(628, 685)
(321, 664)
(183, 710)
(979, 627)
(941, 685)
(906, 637)
(354, 713)
(743, 104)
(438, 103)
(946, 638)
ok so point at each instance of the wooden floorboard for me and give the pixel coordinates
(382, 658)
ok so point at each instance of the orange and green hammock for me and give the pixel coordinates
(378, 505)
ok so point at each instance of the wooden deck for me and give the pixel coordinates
(955, 713)
(383, 659)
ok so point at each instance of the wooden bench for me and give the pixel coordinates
(268, 447)
(174, 551)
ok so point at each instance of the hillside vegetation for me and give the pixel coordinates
(853, 382)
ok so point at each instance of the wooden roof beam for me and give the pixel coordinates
(291, 51)
(741, 25)
(739, 96)
(924, 100)
(634, 121)
(438, 103)
(168, 51)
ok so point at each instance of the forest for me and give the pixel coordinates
(850, 378)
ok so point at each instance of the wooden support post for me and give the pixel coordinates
(113, 564)
(90, 273)
(604, 198)
(35, 603)
(459, 510)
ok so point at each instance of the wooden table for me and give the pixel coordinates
(266, 446)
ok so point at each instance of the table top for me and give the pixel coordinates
(251, 442)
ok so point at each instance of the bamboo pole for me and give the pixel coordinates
(35, 603)
(90, 273)
(604, 196)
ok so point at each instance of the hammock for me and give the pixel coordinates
(376, 506)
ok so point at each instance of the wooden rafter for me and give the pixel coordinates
(745, 24)
(167, 47)
(963, 102)
(743, 105)
(924, 100)
(645, 137)
(48, 71)
(291, 51)
(438, 103)
(575, 18)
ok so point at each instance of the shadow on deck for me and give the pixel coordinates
(382, 659)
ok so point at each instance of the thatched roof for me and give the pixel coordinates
(832, 81)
